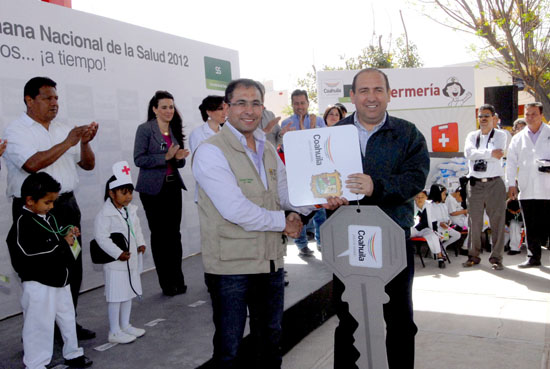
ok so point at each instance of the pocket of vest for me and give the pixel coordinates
(238, 244)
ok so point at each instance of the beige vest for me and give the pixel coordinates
(226, 247)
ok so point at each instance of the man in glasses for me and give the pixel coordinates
(528, 167)
(484, 150)
(242, 191)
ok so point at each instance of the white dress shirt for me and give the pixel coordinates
(199, 135)
(213, 174)
(26, 137)
(483, 152)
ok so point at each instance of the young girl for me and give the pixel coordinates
(423, 226)
(440, 215)
(122, 276)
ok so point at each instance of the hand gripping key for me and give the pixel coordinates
(366, 249)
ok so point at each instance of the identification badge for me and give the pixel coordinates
(75, 248)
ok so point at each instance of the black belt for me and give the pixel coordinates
(473, 180)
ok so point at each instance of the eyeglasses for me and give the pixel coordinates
(241, 104)
(480, 116)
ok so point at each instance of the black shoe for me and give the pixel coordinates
(84, 334)
(529, 264)
(463, 252)
(513, 252)
(441, 263)
(181, 290)
(79, 362)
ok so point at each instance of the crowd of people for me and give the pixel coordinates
(245, 214)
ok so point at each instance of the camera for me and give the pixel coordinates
(543, 165)
(480, 166)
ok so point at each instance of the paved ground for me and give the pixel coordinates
(474, 318)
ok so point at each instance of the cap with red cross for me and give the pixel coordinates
(121, 170)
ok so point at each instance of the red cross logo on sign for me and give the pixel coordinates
(445, 137)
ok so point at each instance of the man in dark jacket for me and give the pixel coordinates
(395, 166)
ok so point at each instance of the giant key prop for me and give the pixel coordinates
(365, 248)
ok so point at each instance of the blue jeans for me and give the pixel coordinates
(263, 295)
(318, 219)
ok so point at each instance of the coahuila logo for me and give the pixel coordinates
(332, 88)
(365, 246)
(321, 149)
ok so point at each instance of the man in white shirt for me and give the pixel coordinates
(242, 191)
(484, 150)
(528, 165)
(38, 143)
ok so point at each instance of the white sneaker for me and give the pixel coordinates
(121, 337)
(136, 332)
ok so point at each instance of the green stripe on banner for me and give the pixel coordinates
(212, 84)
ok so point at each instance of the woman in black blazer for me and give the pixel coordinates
(159, 152)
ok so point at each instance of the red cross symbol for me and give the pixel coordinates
(126, 170)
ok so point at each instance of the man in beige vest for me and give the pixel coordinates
(242, 191)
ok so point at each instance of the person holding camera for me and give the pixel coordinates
(528, 167)
(484, 150)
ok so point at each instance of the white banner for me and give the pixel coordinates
(106, 71)
(440, 101)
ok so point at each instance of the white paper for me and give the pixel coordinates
(318, 162)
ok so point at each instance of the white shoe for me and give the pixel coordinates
(121, 337)
(136, 332)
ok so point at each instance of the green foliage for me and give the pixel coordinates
(402, 55)
(516, 34)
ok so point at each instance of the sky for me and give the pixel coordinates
(281, 40)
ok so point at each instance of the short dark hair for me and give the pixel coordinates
(369, 70)
(128, 186)
(534, 104)
(298, 93)
(489, 107)
(176, 124)
(435, 192)
(244, 82)
(38, 185)
(342, 107)
(210, 103)
(32, 87)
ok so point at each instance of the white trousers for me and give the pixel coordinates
(42, 307)
(514, 235)
(431, 239)
(453, 236)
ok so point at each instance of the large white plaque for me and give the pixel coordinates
(318, 162)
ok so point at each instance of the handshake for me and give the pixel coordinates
(293, 225)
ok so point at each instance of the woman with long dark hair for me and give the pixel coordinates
(159, 152)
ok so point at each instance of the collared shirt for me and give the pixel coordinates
(26, 137)
(364, 134)
(484, 152)
(213, 173)
(200, 134)
(533, 136)
(294, 122)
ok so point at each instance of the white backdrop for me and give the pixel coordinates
(106, 71)
(417, 95)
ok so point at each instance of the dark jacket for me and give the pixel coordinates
(38, 254)
(398, 162)
(149, 152)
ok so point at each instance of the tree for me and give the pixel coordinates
(516, 35)
(378, 55)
